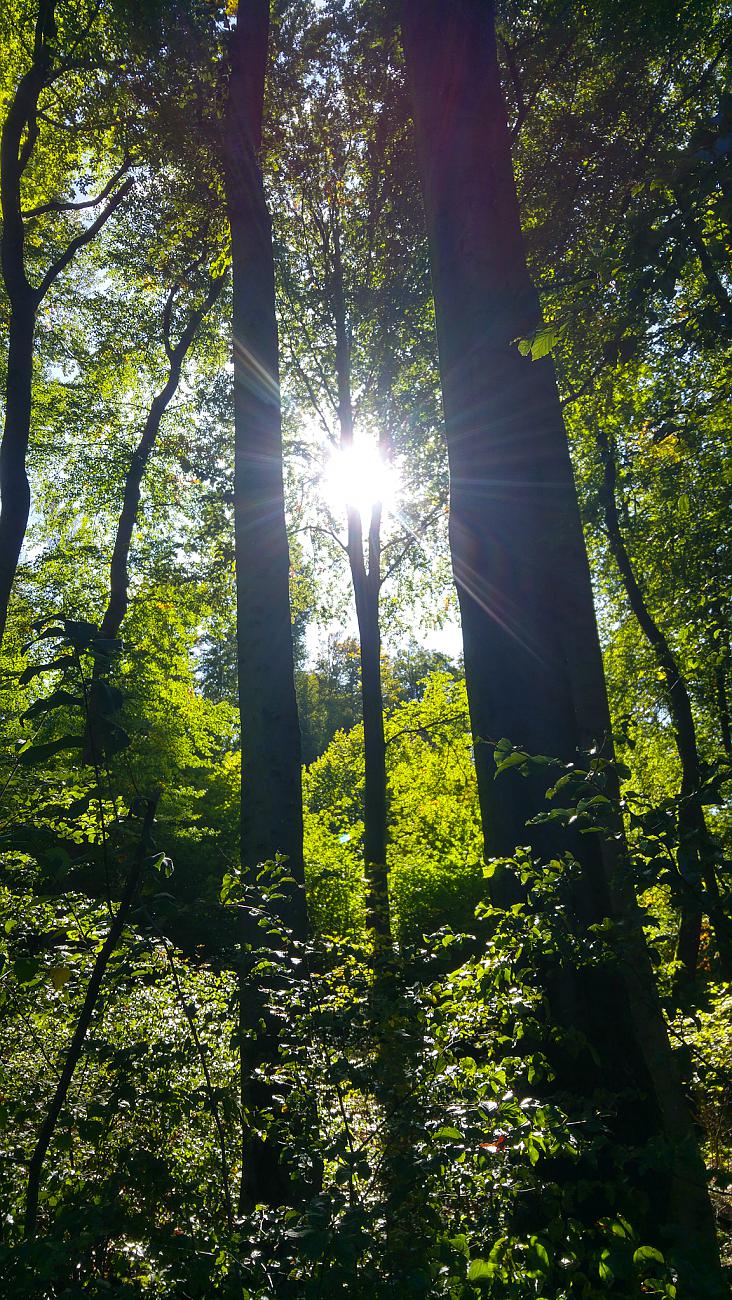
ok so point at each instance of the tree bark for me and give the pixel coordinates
(271, 784)
(533, 666)
(366, 586)
(14, 486)
(271, 802)
(696, 848)
(18, 138)
(366, 581)
(518, 554)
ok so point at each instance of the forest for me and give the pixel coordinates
(365, 649)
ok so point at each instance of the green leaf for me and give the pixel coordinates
(53, 666)
(80, 632)
(109, 698)
(52, 701)
(518, 758)
(540, 343)
(647, 1254)
(114, 737)
(480, 1269)
(540, 1250)
(39, 753)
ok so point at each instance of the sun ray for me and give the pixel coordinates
(359, 477)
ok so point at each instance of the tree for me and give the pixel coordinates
(271, 805)
(349, 319)
(696, 852)
(533, 668)
(20, 133)
(271, 798)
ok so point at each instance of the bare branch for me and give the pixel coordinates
(414, 538)
(428, 726)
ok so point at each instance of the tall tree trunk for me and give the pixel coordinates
(696, 848)
(14, 486)
(271, 783)
(271, 804)
(19, 134)
(532, 660)
(366, 580)
(514, 520)
(366, 586)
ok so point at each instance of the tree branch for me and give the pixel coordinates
(55, 205)
(81, 241)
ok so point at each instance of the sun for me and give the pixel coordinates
(360, 478)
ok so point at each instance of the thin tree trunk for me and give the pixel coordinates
(117, 600)
(73, 1054)
(271, 805)
(696, 849)
(366, 580)
(118, 572)
(532, 660)
(696, 238)
(720, 654)
(366, 587)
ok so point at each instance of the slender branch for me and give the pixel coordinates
(207, 1077)
(429, 726)
(167, 320)
(117, 600)
(413, 539)
(81, 241)
(114, 934)
(56, 205)
(327, 532)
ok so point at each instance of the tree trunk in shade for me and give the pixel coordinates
(271, 805)
(271, 781)
(533, 666)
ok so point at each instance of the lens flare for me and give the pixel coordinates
(360, 478)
